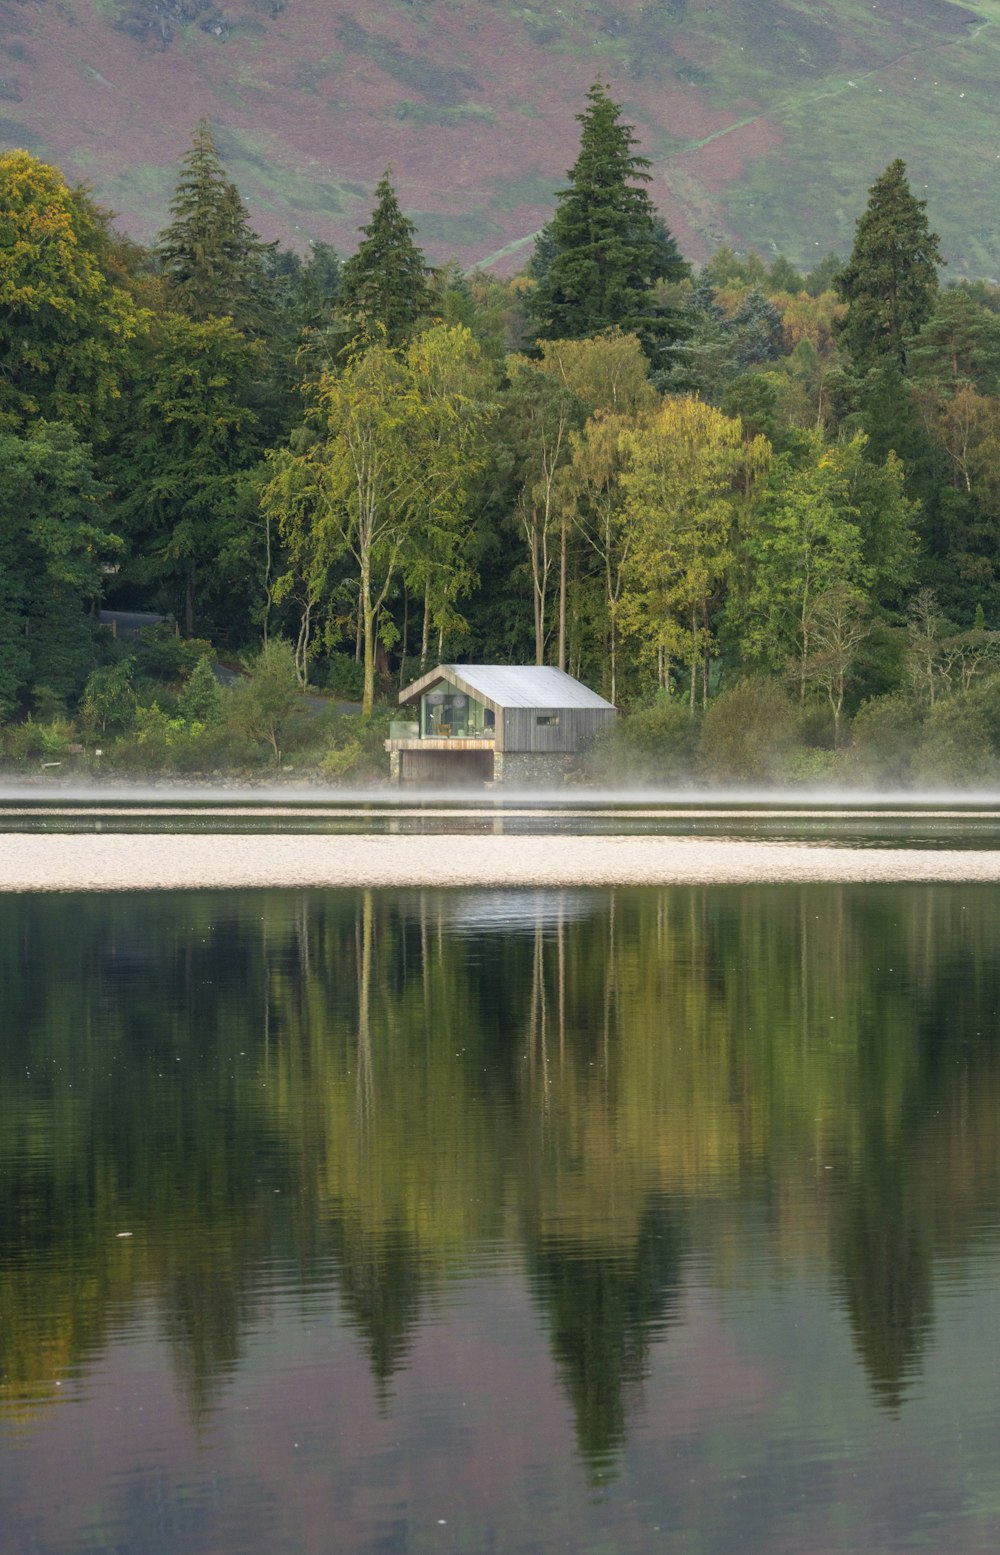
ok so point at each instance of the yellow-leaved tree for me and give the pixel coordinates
(684, 480)
(385, 465)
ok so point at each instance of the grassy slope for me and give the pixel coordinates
(766, 119)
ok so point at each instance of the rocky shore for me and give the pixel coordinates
(130, 862)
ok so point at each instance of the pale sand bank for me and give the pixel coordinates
(121, 862)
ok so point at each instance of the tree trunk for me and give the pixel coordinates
(267, 577)
(368, 635)
(704, 659)
(426, 632)
(562, 596)
(302, 645)
(536, 582)
(694, 660)
(613, 656)
(406, 629)
(189, 602)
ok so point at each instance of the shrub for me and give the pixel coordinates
(886, 732)
(747, 733)
(955, 750)
(109, 697)
(356, 748)
(201, 700)
(162, 655)
(652, 744)
(345, 677)
(263, 706)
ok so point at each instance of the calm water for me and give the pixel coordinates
(489, 1221)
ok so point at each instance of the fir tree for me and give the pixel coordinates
(214, 263)
(756, 327)
(890, 282)
(384, 285)
(608, 246)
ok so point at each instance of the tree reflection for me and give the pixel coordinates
(381, 1084)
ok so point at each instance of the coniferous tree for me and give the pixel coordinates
(890, 282)
(214, 263)
(605, 245)
(384, 285)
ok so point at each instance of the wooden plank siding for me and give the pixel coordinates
(518, 729)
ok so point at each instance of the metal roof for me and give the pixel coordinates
(512, 685)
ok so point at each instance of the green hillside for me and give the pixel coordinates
(766, 119)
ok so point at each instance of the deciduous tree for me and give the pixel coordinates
(65, 332)
(680, 484)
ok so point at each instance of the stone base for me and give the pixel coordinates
(520, 769)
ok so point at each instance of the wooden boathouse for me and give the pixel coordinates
(490, 723)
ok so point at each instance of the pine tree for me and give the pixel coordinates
(608, 246)
(214, 263)
(384, 285)
(756, 328)
(890, 282)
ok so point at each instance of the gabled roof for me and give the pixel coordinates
(510, 685)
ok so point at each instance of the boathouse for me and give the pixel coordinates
(491, 723)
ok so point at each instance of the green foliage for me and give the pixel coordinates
(54, 535)
(265, 703)
(885, 732)
(66, 334)
(955, 750)
(109, 697)
(345, 677)
(214, 264)
(606, 249)
(384, 285)
(747, 733)
(355, 749)
(201, 699)
(890, 281)
(192, 434)
(653, 744)
(162, 654)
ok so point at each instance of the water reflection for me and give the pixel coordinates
(211, 1102)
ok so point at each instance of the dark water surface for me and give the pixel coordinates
(494, 1221)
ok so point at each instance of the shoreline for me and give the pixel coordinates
(124, 861)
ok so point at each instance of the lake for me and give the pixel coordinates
(598, 1220)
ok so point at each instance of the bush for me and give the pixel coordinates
(201, 700)
(955, 750)
(652, 744)
(356, 748)
(39, 741)
(748, 733)
(345, 677)
(886, 732)
(264, 705)
(163, 656)
(109, 698)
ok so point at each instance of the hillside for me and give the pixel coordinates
(766, 120)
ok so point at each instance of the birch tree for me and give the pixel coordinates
(679, 480)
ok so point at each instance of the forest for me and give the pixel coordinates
(757, 509)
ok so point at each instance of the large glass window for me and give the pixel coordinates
(449, 714)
